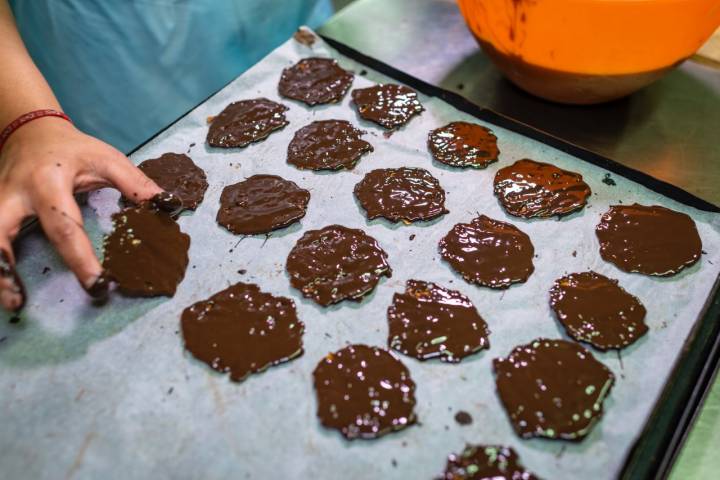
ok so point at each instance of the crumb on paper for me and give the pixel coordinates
(304, 37)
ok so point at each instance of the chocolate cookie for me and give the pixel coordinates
(552, 388)
(463, 144)
(429, 321)
(389, 105)
(261, 204)
(336, 263)
(177, 174)
(146, 254)
(327, 145)
(596, 310)
(242, 330)
(533, 189)
(651, 240)
(407, 194)
(364, 392)
(488, 252)
(315, 81)
(245, 122)
(485, 462)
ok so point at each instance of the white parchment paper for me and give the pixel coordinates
(109, 392)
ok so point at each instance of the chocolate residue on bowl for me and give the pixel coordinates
(488, 252)
(242, 330)
(651, 240)
(388, 105)
(485, 462)
(463, 144)
(146, 254)
(534, 189)
(552, 388)
(364, 392)
(407, 194)
(327, 145)
(596, 310)
(178, 174)
(261, 204)
(315, 81)
(430, 321)
(336, 263)
(246, 121)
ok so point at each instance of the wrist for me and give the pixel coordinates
(31, 124)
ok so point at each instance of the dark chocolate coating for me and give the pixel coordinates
(552, 388)
(364, 392)
(388, 105)
(488, 252)
(534, 189)
(651, 240)
(596, 310)
(463, 144)
(336, 263)
(315, 81)
(246, 121)
(407, 194)
(167, 202)
(430, 321)
(178, 174)
(146, 254)
(486, 462)
(242, 330)
(10, 275)
(261, 204)
(327, 145)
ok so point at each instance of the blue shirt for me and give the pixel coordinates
(124, 69)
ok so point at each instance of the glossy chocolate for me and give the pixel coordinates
(261, 204)
(407, 194)
(651, 240)
(177, 174)
(10, 276)
(242, 330)
(315, 81)
(430, 321)
(168, 203)
(488, 252)
(389, 105)
(146, 254)
(336, 263)
(463, 144)
(534, 189)
(486, 462)
(596, 310)
(246, 121)
(364, 392)
(327, 145)
(552, 388)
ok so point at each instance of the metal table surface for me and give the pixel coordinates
(668, 130)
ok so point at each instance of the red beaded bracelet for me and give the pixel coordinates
(27, 118)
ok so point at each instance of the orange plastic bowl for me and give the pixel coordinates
(589, 51)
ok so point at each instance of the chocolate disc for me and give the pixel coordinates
(407, 194)
(596, 310)
(533, 189)
(486, 462)
(364, 392)
(552, 388)
(488, 252)
(389, 105)
(146, 253)
(651, 240)
(429, 321)
(241, 330)
(246, 121)
(315, 81)
(327, 145)
(177, 174)
(261, 204)
(336, 263)
(463, 144)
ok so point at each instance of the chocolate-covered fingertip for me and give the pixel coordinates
(167, 202)
(99, 287)
(13, 296)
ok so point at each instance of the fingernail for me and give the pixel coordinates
(12, 298)
(167, 202)
(99, 287)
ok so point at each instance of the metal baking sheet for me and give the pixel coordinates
(109, 391)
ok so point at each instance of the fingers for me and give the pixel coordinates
(130, 180)
(12, 290)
